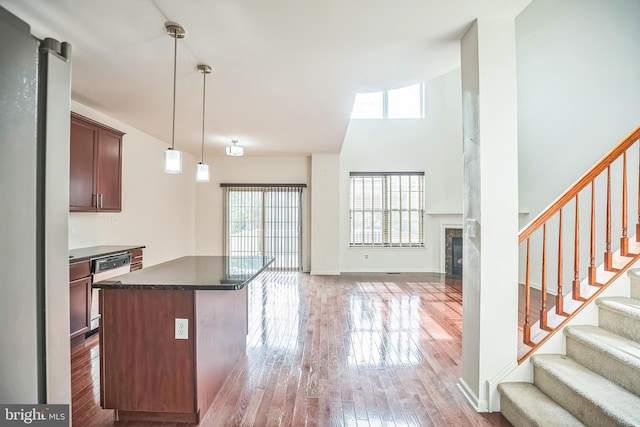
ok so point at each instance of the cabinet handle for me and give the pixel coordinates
(96, 197)
(100, 201)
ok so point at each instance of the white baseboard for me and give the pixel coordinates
(472, 398)
(493, 397)
(391, 270)
(324, 273)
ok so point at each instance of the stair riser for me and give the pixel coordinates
(635, 287)
(573, 402)
(524, 405)
(618, 323)
(624, 375)
(510, 412)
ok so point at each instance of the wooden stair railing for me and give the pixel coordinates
(590, 275)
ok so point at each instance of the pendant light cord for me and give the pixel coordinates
(204, 91)
(175, 55)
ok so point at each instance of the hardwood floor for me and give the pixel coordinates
(351, 350)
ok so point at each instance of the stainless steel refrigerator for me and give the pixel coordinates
(34, 191)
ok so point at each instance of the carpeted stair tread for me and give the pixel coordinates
(628, 306)
(592, 399)
(607, 354)
(620, 315)
(620, 347)
(523, 404)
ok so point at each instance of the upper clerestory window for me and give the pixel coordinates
(403, 103)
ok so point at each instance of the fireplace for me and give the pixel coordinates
(453, 253)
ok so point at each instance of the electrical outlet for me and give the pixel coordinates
(366, 256)
(182, 329)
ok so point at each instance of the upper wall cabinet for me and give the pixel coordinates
(95, 181)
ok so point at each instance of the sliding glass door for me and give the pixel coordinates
(265, 220)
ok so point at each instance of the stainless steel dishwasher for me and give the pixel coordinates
(103, 268)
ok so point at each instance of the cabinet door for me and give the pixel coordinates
(136, 260)
(80, 305)
(109, 172)
(84, 136)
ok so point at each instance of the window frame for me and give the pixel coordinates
(384, 209)
(385, 104)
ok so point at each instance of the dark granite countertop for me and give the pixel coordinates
(192, 273)
(83, 254)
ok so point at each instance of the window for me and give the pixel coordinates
(265, 220)
(387, 209)
(368, 105)
(402, 103)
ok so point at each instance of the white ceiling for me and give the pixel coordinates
(285, 72)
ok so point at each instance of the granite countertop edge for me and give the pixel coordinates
(229, 286)
(85, 254)
(107, 284)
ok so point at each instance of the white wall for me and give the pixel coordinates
(158, 209)
(578, 90)
(490, 261)
(432, 145)
(325, 214)
(246, 169)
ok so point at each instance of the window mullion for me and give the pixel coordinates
(410, 240)
(400, 211)
(386, 205)
(372, 213)
(351, 213)
(362, 221)
(385, 104)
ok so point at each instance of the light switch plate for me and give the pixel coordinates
(472, 228)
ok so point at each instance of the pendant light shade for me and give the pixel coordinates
(202, 172)
(172, 161)
(234, 150)
(173, 157)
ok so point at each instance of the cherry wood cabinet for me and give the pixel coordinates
(79, 301)
(136, 259)
(146, 374)
(95, 181)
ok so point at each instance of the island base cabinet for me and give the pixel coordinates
(149, 375)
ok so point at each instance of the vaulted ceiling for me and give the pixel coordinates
(285, 72)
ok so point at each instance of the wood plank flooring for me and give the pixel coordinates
(352, 350)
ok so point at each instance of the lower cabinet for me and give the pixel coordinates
(146, 374)
(136, 259)
(79, 301)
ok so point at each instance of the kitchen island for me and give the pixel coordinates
(171, 333)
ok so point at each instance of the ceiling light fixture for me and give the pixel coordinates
(202, 173)
(234, 150)
(173, 157)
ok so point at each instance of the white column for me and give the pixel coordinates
(325, 214)
(490, 208)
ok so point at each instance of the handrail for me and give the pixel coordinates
(579, 185)
(538, 328)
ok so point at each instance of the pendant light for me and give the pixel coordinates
(173, 157)
(202, 173)
(234, 150)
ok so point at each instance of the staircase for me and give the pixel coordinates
(597, 381)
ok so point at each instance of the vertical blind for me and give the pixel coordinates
(265, 220)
